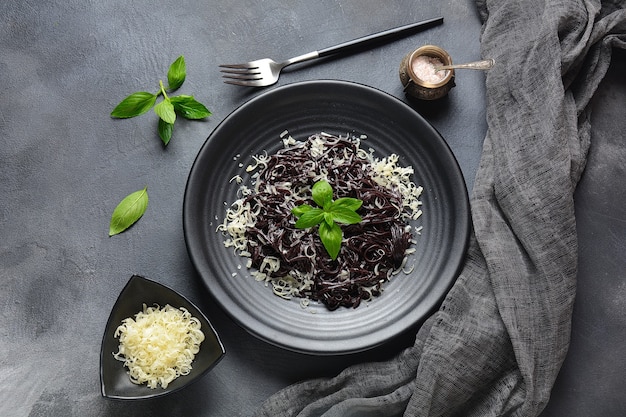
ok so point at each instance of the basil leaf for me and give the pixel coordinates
(165, 131)
(310, 218)
(177, 73)
(332, 212)
(344, 215)
(134, 105)
(189, 108)
(128, 211)
(165, 110)
(331, 238)
(300, 210)
(348, 202)
(322, 193)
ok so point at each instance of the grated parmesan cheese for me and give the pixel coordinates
(388, 173)
(158, 345)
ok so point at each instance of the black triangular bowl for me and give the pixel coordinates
(114, 380)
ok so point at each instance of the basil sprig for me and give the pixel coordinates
(186, 106)
(327, 215)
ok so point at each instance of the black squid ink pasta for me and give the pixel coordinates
(261, 227)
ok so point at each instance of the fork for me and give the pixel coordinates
(264, 72)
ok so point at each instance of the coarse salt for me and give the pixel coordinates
(423, 67)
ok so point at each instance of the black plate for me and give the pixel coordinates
(336, 107)
(114, 379)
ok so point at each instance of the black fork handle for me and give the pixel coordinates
(380, 37)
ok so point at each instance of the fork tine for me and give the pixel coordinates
(246, 65)
(240, 72)
(244, 83)
(243, 76)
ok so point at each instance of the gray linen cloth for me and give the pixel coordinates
(497, 343)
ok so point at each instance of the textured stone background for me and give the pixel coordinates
(65, 164)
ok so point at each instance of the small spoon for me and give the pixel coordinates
(477, 65)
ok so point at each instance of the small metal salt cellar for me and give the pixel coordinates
(419, 77)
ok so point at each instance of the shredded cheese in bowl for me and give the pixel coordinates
(159, 344)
